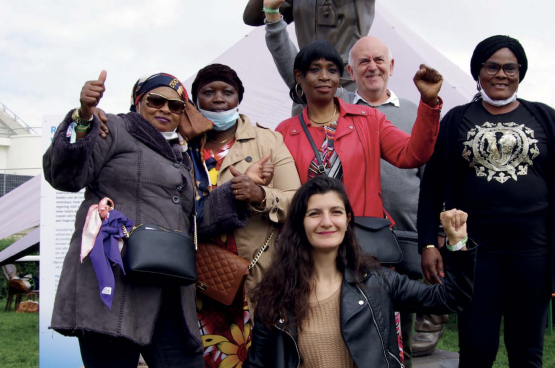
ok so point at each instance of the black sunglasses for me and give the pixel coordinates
(157, 101)
(510, 69)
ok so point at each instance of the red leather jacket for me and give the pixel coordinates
(363, 137)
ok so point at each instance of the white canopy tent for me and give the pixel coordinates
(19, 211)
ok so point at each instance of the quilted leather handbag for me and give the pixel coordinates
(221, 273)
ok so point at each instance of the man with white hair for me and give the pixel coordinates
(370, 66)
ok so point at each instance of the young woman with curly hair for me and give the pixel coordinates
(323, 304)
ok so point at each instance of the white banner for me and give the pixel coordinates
(57, 221)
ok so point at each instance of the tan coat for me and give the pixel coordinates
(251, 144)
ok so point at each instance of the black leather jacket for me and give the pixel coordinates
(367, 314)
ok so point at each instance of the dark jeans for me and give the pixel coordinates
(517, 288)
(168, 348)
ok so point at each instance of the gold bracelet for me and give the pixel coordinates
(429, 246)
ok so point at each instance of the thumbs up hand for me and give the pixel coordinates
(91, 93)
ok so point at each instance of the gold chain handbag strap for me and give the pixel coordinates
(127, 234)
(261, 250)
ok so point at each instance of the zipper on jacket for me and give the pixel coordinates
(375, 324)
(394, 357)
(294, 342)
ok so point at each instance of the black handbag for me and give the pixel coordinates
(158, 255)
(376, 238)
(155, 255)
(374, 234)
(411, 264)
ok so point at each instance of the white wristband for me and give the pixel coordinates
(458, 246)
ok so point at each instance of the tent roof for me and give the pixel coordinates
(20, 208)
(267, 97)
(28, 244)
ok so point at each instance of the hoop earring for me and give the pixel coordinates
(342, 90)
(478, 86)
(297, 90)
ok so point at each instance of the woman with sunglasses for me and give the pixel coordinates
(221, 156)
(323, 304)
(140, 165)
(494, 160)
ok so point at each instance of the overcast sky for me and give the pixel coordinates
(48, 48)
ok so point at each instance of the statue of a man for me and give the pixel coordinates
(340, 22)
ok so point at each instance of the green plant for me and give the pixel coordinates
(4, 243)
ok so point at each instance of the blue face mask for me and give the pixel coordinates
(222, 120)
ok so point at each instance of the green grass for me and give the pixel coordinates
(19, 332)
(450, 342)
(19, 339)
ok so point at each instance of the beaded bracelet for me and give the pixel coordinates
(270, 10)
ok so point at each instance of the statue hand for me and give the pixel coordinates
(273, 4)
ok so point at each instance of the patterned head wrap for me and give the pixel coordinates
(489, 46)
(148, 83)
(217, 72)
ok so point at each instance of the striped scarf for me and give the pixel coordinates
(330, 159)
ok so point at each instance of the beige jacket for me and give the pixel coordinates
(251, 144)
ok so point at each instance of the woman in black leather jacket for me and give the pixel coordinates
(324, 304)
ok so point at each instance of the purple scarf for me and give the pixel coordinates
(106, 249)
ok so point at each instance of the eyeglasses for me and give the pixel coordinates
(510, 69)
(157, 101)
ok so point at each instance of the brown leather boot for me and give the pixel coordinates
(429, 329)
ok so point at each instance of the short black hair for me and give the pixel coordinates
(314, 51)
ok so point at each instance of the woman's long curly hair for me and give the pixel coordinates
(286, 286)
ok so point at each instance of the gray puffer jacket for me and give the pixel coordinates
(149, 182)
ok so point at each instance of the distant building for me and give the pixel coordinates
(20, 151)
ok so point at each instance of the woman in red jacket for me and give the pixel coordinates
(351, 139)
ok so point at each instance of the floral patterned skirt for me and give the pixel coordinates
(225, 331)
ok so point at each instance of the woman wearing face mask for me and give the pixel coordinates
(221, 157)
(140, 165)
(494, 160)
